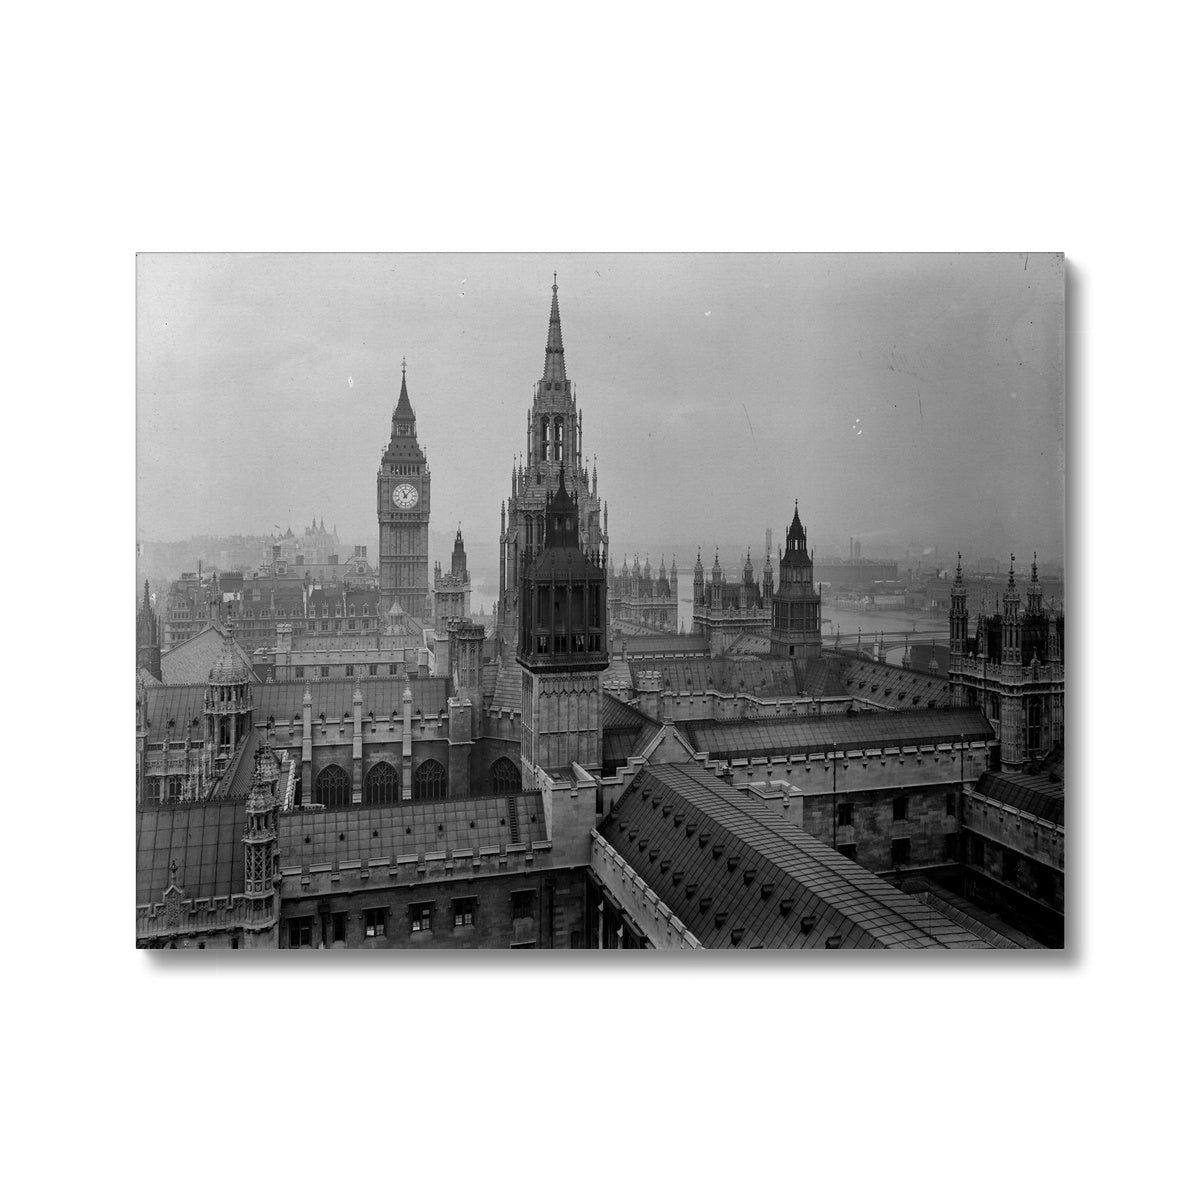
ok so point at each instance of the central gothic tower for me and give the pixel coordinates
(402, 502)
(553, 450)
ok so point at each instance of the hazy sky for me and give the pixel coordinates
(898, 397)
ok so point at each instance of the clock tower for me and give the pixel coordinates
(403, 505)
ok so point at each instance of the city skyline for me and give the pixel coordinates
(897, 397)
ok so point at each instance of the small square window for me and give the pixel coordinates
(299, 932)
(349, 672)
(375, 921)
(324, 672)
(522, 905)
(850, 850)
(464, 912)
(373, 669)
(901, 848)
(900, 809)
(951, 804)
(845, 814)
(391, 668)
(420, 917)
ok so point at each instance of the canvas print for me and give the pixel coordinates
(600, 601)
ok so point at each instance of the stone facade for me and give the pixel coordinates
(1012, 670)
(553, 449)
(403, 500)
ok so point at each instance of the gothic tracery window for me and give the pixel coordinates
(505, 777)
(382, 785)
(332, 787)
(429, 781)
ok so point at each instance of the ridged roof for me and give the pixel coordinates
(818, 734)
(737, 875)
(1033, 794)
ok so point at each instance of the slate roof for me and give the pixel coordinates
(815, 734)
(627, 732)
(642, 645)
(823, 677)
(182, 703)
(384, 831)
(506, 692)
(191, 661)
(382, 694)
(738, 875)
(894, 687)
(1033, 794)
(204, 841)
(756, 676)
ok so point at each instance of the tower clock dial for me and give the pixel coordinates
(404, 495)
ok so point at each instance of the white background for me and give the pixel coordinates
(620, 127)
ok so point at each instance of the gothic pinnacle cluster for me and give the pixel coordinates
(553, 449)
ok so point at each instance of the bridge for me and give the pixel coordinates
(889, 645)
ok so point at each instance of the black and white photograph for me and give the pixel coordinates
(591, 480)
(609, 602)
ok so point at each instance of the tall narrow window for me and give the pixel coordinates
(429, 781)
(332, 787)
(382, 784)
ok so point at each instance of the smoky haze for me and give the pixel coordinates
(901, 399)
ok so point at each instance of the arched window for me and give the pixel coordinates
(429, 781)
(558, 439)
(332, 787)
(505, 777)
(382, 785)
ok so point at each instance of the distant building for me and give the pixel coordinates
(252, 606)
(639, 600)
(725, 610)
(1011, 669)
(452, 589)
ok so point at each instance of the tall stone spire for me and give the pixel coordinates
(556, 363)
(404, 411)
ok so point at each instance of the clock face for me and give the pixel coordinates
(404, 495)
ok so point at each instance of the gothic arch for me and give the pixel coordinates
(505, 777)
(381, 785)
(332, 787)
(429, 781)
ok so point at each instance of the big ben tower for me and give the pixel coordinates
(402, 501)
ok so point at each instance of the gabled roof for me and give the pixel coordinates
(738, 875)
(627, 732)
(208, 650)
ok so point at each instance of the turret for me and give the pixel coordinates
(149, 649)
(1011, 645)
(796, 605)
(959, 616)
(1033, 597)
